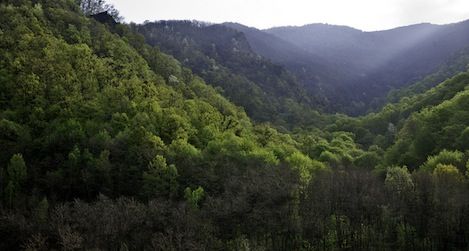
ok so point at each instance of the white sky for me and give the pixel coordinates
(362, 14)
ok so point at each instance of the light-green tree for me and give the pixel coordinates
(193, 197)
(447, 172)
(305, 165)
(445, 157)
(398, 180)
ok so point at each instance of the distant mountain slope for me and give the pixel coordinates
(327, 41)
(224, 58)
(374, 62)
(459, 62)
(277, 49)
(317, 75)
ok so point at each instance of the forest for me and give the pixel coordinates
(181, 135)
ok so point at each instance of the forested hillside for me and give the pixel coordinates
(119, 136)
(223, 57)
(86, 113)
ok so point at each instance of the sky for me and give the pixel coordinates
(367, 15)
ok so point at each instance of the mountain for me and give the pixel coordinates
(277, 49)
(319, 76)
(366, 64)
(326, 68)
(223, 57)
(457, 63)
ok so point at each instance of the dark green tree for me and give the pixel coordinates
(16, 175)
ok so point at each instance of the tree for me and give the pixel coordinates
(448, 204)
(398, 180)
(463, 140)
(447, 173)
(193, 197)
(330, 158)
(445, 157)
(367, 160)
(400, 187)
(15, 176)
(305, 166)
(467, 169)
(160, 179)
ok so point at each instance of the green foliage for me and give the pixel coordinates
(160, 180)
(368, 160)
(100, 116)
(193, 197)
(329, 157)
(396, 114)
(305, 166)
(102, 104)
(454, 158)
(445, 170)
(338, 149)
(16, 175)
(398, 180)
(41, 213)
(463, 139)
(223, 57)
(431, 131)
(467, 168)
(231, 147)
